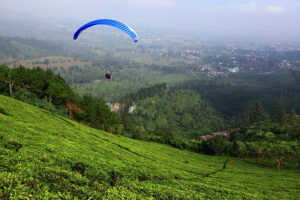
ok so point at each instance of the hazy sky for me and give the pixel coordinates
(278, 18)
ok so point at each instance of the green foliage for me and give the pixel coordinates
(79, 167)
(144, 93)
(127, 81)
(2, 111)
(49, 91)
(253, 113)
(29, 83)
(230, 94)
(97, 114)
(54, 149)
(115, 177)
(279, 112)
(214, 146)
(293, 125)
(15, 146)
(182, 113)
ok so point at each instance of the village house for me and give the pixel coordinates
(116, 107)
(214, 134)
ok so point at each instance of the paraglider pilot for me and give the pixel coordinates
(108, 75)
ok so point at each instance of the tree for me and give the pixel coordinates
(257, 150)
(238, 149)
(293, 125)
(9, 76)
(98, 115)
(56, 87)
(279, 112)
(253, 113)
(3, 78)
(23, 80)
(281, 153)
(71, 100)
(214, 145)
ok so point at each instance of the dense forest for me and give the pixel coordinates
(230, 94)
(182, 112)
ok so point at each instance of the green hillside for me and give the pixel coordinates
(44, 156)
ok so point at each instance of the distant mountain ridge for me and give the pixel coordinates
(27, 48)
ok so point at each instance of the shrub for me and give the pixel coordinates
(13, 146)
(115, 176)
(79, 167)
(2, 111)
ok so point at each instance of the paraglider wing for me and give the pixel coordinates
(109, 22)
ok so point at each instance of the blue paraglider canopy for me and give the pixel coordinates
(109, 22)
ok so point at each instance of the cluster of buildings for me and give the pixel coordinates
(285, 64)
(214, 134)
(233, 69)
(116, 107)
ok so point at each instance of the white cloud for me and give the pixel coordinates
(274, 9)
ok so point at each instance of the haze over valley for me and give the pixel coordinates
(204, 106)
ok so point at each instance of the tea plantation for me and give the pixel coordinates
(44, 156)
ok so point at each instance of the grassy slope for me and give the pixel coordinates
(51, 146)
